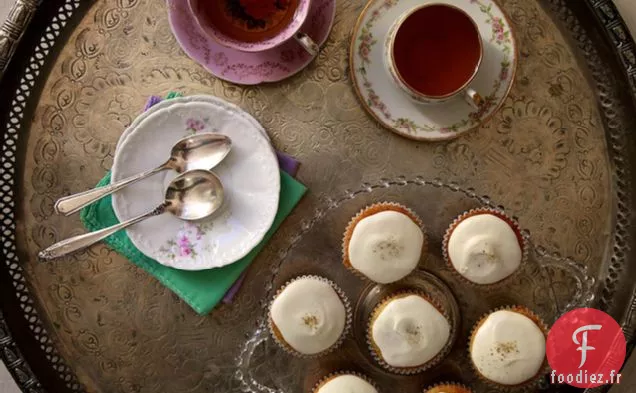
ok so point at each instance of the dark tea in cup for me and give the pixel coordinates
(435, 50)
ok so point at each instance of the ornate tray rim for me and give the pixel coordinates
(16, 26)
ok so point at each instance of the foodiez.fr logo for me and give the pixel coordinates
(586, 349)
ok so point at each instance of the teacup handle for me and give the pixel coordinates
(307, 43)
(474, 98)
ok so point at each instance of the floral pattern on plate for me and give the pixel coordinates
(194, 125)
(394, 109)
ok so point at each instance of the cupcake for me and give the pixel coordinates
(507, 347)
(384, 242)
(309, 316)
(448, 388)
(407, 333)
(345, 382)
(484, 246)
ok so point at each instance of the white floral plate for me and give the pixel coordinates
(394, 109)
(250, 176)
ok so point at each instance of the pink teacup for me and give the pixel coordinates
(290, 31)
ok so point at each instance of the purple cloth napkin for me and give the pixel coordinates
(286, 162)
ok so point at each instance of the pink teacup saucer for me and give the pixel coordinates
(249, 68)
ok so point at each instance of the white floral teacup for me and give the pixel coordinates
(433, 52)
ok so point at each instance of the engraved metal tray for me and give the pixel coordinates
(558, 155)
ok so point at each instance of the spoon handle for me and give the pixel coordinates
(74, 203)
(79, 242)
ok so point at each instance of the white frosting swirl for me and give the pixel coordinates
(409, 331)
(347, 384)
(386, 246)
(309, 315)
(484, 249)
(508, 348)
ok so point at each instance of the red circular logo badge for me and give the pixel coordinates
(585, 349)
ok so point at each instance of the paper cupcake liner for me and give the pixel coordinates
(532, 383)
(463, 388)
(376, 353)
(515, 227)
(369, 211)
(335, 374)
(345, 332)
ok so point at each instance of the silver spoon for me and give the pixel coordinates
(200, 151)
(190, 196)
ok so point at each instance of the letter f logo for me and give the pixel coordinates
(583, 344)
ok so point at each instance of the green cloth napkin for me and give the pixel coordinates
(202, 289)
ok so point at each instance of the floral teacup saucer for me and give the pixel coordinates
(246, 68)
(386, 102)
